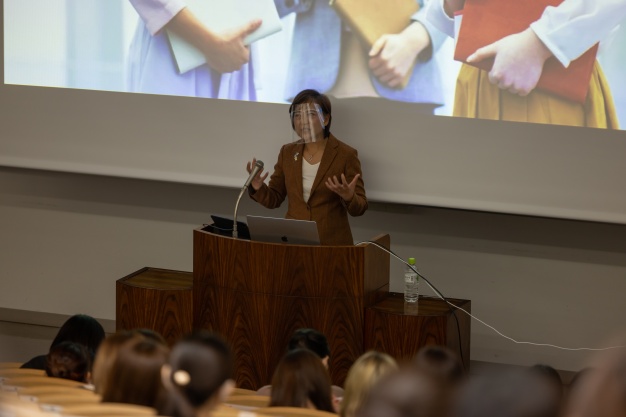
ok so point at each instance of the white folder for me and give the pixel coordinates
(220, 16)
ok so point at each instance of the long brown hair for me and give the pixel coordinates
(135, 376)
(300, 378)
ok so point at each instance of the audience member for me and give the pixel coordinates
(405, 393)
(508, 394)
(601, 391)
(440, 362)
(135, 374)
(69, 360)
(198, 376)
(106, 355)
(81, 329)
(552, 377)
(363, 374)
(301, 380)
(317, 343)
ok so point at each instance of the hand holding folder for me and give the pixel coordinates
(372, 19)
(487, 21)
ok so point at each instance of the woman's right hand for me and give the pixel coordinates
(258, 180)
(227, 52)
(224, 52)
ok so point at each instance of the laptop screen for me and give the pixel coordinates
(278, 230)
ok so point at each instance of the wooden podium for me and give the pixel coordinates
(257, 294)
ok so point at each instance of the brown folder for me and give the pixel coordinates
(486, 21)
(370, 19)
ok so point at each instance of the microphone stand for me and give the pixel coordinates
(235, 233)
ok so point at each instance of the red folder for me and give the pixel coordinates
(486, 21)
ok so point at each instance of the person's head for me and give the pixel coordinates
(405, 393)
(440, 362)
(69, 360)
(363, 374)
(312, 340)
(152, 335)
(551, 376)
(198, 375)
(517, 393)
(81, 329)
(319, 106)
(106, 355)
(135, 374)
(301, 380)
(601, 389)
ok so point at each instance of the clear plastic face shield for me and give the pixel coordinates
(307, 122)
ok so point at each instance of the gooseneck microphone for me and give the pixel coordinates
(258, 166)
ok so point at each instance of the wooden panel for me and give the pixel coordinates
(401, 329)
(167, 310)
(259, 326)
(316, 271)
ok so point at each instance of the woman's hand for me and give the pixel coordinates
(393, 56)
(257, 182)
(518, 63)
(224, 52)
(344, 189)
(227, 52)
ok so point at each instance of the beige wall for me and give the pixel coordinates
(67, 238)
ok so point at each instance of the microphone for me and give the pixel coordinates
(255, 170)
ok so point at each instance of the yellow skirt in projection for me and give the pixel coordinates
(476, 97)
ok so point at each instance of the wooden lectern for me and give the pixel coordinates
(257, 294)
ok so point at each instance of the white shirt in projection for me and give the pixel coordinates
(308, 177)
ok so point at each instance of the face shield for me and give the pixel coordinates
(307, 122)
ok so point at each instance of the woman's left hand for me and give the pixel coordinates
(518, 63)
(344, 189)
(392, 56)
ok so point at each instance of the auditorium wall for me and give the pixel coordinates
(66, 238)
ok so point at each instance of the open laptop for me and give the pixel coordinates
(275, 230)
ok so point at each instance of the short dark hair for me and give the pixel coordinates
(206, 361)
(68, 360)
(314, 96)
(82, 329)
(440, 362)
(309, 339)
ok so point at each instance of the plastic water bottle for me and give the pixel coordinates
(411, 281)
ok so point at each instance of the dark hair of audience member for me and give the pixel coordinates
(440, 362)
(69, 360)
(79, 328)
(106, 355)
(151, 334)
(135, 374)
(551, 375)
(82, 329)
(363, 374)
(405, 393)
(198, 375)
(301, 380)
(508, 394)
(309, 339)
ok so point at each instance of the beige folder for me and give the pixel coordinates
(370, 19)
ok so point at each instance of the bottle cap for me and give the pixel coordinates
(411, 261)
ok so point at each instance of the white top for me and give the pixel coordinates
(308, 177)
(157, 13)
(568, 30)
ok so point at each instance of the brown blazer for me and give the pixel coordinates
(324, 206)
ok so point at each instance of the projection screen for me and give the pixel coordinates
(70, 65)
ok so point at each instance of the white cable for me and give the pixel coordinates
(476, 318)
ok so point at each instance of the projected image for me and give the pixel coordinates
(487, 59)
